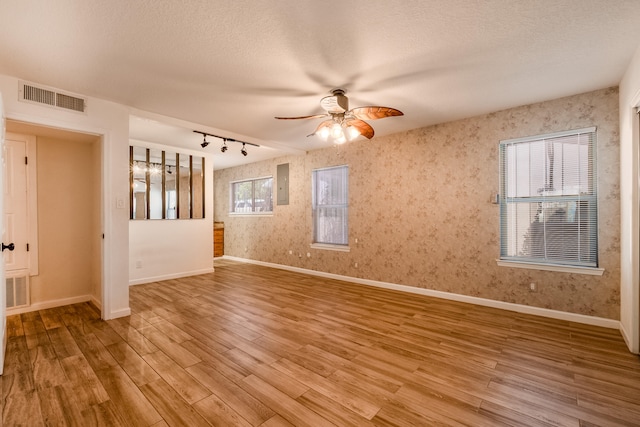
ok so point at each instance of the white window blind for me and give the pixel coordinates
(548, 199)
(330, 205)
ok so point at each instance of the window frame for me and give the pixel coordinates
(590, 197)
(233, 201)
(315, 243)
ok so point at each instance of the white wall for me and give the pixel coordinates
(112, 122)
(167, 249)
(630, 206)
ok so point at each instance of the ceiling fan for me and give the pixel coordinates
(345, 124)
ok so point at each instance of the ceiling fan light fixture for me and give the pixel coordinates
(340, 140)
(324, 133)
(352, 133)
(336, 130)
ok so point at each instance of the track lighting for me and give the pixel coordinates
(224, 147)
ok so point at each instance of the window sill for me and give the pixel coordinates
(328, 247)
(250, 215)
(550, 267)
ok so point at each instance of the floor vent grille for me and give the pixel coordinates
(17, 291)
(40, 95)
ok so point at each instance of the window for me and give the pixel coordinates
(252, 196)
(330, 205)
(548, 199)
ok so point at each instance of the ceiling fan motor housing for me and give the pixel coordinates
(337, 103)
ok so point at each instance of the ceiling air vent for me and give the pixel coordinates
(50, 97)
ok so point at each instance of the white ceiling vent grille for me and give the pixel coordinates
(31, 93)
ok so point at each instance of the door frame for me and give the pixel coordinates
(105, 214)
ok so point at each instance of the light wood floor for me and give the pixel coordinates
(254, 346)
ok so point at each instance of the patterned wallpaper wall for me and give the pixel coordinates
(422, 213)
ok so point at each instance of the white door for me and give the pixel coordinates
(15, 203)
(3, 284)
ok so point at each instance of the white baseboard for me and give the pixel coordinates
(49, 304)
(118, 313)
(144, 280)
(633, 345)
(96, 302)
(519, 308)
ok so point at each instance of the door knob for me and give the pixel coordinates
(10, 246)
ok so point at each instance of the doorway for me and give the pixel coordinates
(68, 239)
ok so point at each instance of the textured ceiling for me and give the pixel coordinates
(232, 66)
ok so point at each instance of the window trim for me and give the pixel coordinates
(324, 245)
(593, 271)
(330, 247)
(252, 213)
(522, 262)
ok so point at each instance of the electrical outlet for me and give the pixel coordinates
(533, 287)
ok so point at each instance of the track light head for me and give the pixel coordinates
(244, 150)
(204, 141)
(224, 146)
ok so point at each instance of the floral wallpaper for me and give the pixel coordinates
(421, 211)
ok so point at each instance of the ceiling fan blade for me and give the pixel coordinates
(374, 112)
(316, 116)
(364, 128)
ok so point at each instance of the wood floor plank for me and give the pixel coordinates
(22, 409)
(130, 401)
(184, 384)
(87, 387)
(14, 326)
(276, 421)
(250, 345)
(332, 410)
(171, 348)
(133, 364)
(133, 338)
(246, 404)
(350, 397)
(174, 410)
(59, 406)
(288, 408)
(217, 412)
(104, 414)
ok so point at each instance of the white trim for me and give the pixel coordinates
(169, 276)
(107, 195)
(95, 302)
(49, 304)
(591, 129)
(32, 209)
(519, 308)
(550, 267)
(120, 313)
(251, 179)
(250, 215)
(627, 337)
(330, 247)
